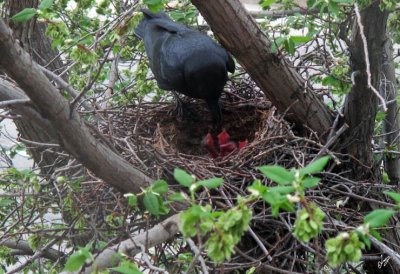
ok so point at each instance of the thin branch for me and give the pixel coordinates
(146, 259)
(331, 141)
(37, 143)
(387, 250)
(67, 87)
(197, 256)
(14, 102)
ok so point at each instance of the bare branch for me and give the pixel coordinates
(50, 253)
(197, 256)
(14, 102)
(74, 135)
(154, 236)
(60, 81)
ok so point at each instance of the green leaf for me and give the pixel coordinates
(283, 189)
(126, 267)
(154, 5)
(183, 177)
(151, 203)
(6, 202)
(366, 240)
(300, 39)
(277, 174)
(211, 183)
(34, 241)
(77, 260)
(380, 116)
(379, 217)
(395, 196)
(349, 248)
(267, 3)
(334, 7)
(45, 4)
(257, 188)
(24, 15)
(315, 167)
(178, 197)
(310, 182)
(251, 270)
(152, 2)
(290, 46)
(160, 187)
(376, 234)
(330, 80)
(132, 199)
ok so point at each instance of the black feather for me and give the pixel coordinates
(185, 60)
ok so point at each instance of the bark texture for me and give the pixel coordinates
(239, 33)
(12, 92)
(160, 233)
(388, 90)
(72, 132)
(361, 104)
(31, 36)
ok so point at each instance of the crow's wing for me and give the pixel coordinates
(162, 35)
(171, 46)
(182, 47)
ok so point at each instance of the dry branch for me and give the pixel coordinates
(22, 245)
(154, 236)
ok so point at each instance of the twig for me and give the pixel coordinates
(334, 137)
(37, 143)
(89, 86)
(197, 256)
(147, 260)
(14, 102)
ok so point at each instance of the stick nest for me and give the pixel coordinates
(156, 142)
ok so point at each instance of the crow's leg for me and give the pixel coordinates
(215, 109)
(182, 109)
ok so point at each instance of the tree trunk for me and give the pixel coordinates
(32, 38)
(361, 104)
(389, 89)
(277, 79)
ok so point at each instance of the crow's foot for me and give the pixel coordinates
(183, 111)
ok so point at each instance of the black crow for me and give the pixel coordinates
(185, 60)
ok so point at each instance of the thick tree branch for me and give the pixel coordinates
(160, 233)
(22, 245)
(287, 90)
(72, 132)
(8, 92)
